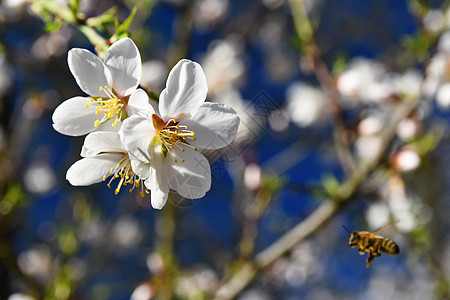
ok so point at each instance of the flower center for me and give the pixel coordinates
(173, 135)
(124, 171)
(111, 105)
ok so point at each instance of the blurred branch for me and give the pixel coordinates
(254, 212)
(54, 14)
(319, 216)
(165, 247)
(305, 34)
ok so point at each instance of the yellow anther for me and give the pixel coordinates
(87, 106)
(96, 123)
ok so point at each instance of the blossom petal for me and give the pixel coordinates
(139, 168)
(89, 71)
(102, 141)
(214, 125)
(191, 178)
(91, 170)
(185, 91)
(73, 118)
(158, 180)
(124, 62)
(138, 104)
(136, 135)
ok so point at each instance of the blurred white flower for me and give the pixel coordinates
(40, 178)
(223, 65)
(250, 124)
(405, 160)
(206, 279)
(408, 84)
(155, 263)
(36, 262)
(368, 146)
(436, 83)
(127, 232)
(20, 296)
(377, 215)
(305, 104)
(142, 292)
(408, 128)
(361, 80)
(278, 120)
(434, 20)
(252, 177)
(209, 12)
(443, 45)
(443, 96)
(370, 126)
(154, 74)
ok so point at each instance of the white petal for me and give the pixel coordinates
(185, 91)
(91, 170)
(136, 135)
(73, 118)
(102, 141)
(214, 125)
(89, 71)
(107, 125)
(124, 62)
(191, 178)
(158, 180)
(138, 104)
(140, 168)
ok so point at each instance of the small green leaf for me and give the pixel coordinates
(330, 184)
(53, 26)
(122, 29)
(74, 5)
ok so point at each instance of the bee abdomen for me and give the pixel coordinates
(390, 247)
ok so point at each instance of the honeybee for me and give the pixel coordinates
(370, 242)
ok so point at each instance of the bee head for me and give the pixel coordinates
(354, 238)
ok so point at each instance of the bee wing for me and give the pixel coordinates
(384, 226)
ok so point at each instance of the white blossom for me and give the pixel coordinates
(111, 86)
(168, 142)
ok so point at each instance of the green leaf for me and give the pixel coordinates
(122, 29)
(330, 184)
(53, 26)
(74, 5)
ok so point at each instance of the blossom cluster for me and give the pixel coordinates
(133, 141)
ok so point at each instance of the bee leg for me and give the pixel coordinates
(370, 258)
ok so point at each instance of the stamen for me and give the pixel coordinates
(111, 105)
(123, 171)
